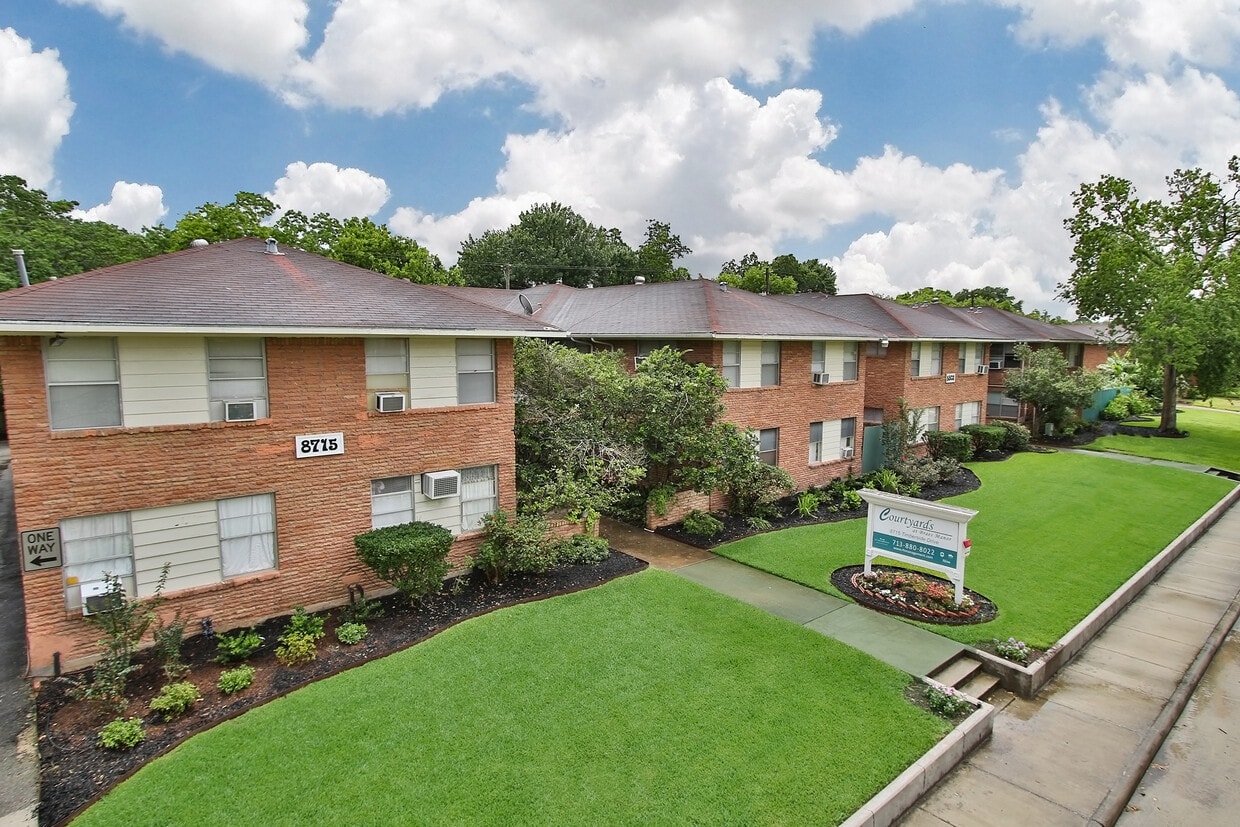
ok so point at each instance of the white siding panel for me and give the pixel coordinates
(444, 512)
(185, 536)
(163, 380)
(432, 368)
(751, 363)
(835, 364)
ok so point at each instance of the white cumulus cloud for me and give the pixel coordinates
(323, 187)
(34, 97)
(132, 206)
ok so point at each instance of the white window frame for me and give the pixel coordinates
(816, 430)
(730, 363)
(770, 364)
(818, 357)
(247, 534)
(975, 414)
(223, 388)
(392, 501)
(93, 546)
(923, 352)
(78, 369)
(848, 434)
(479, 495)
(1005, 408)
(470, 368)
(851, 361)
(929, 422)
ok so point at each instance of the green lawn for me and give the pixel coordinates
(1054, 536)
(1213, 440)
(648, 700)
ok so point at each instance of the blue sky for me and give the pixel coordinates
(908, 143)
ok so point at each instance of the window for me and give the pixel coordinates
(968, 413)
(93, 547)
(236, 372)
(768, 446)
(475, 371)
(1003, 356)
(770, 363)
(391, 501)
(479, 495)
(848, 433)
(1000, 406)
(850, 361)
(247, 534)
(387, 366)
(818, 358)
(815, 442)
(83, 383)
(929, 422)
(731, 367)
(971, 355)
(1074, 352)
(927, 359)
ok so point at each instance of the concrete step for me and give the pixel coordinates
(957, 671)
(979, 686)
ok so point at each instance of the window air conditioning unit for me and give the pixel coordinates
(996, 364)
(389, 402)
(820, 378)
(637, 360)
(982, 370)
(846, 453)
(241, 411)
(96, 598)
(439, 484)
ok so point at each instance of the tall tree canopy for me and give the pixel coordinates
(780, 276)
(55, 243)
(1164, 271)
(999, 297)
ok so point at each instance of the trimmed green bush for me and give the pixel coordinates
(702, 524)
(413, 557)
(985, 437)
(350, 633)
(950, 445)
(514, 545)
(1118, 409)
(295, 649)
(234, 680)
(174, 699)
(1016, 437)
(123, 733)
(237, 646)
(583, 549)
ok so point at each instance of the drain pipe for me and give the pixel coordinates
(20, 256)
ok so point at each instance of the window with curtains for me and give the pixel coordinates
(391, 501)
(770, 363)
(83, 382)
(247, 534)
(475, 371)
(731, 367)
(850, 361)
(479, 495)
(815, 442)
(927, 359)
(387, 366)
(971, 354)
(929, 422)
(236, 372)
(968, 413)
(95, 546)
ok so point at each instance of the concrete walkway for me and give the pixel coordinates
(904, 646)
(19, 784)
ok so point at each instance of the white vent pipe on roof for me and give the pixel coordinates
(272, 250)
(20, 256)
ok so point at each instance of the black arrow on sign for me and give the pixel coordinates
(41, 560)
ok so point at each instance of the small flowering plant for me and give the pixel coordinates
(1014, 650)
(947, 701)
(911, 588)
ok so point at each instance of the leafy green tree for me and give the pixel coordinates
(247, 215)
(816, 277)
(657, 256)
(363, 243)
(1056, 391)
(927, 295)
(781, 276)
(549, 242)
(1164, 271)
(55, 243)
(988, 297)
(760, 279)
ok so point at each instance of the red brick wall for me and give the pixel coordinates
(314, 386)
(887, 381)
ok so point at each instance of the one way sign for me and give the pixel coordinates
(41, 549)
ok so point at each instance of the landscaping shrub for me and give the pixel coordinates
(123, 733)
(123, 624)
(1016, 437)
(1014, 650)
(413, 557)
(583, 550)
(950, 445)
(702, 524)
(807, 503)
(1118, 409)
(350, 633)
(174, 699)
(168, 637)
(852, 500)
(300, 623)
(947, 702)
(234, 680)
(296, 649)
(985, 437)
(237, 646)
(514, 545)
(360, 610)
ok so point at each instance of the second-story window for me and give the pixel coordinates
(850, 361)
(731, 366)
(770, 363)
(927, 359)
(475, 371)
(83, 383)
(236, 379)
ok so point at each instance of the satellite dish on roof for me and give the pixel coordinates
(525, 304)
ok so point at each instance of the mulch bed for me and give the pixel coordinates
(845, 578)
(75, 772)
(736, 528)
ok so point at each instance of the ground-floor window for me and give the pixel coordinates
(1000, 406)
(391, 501)
(479, 495)
(768, 446)
(968, 413)
(927, 421)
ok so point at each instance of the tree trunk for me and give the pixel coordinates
(1166, 425)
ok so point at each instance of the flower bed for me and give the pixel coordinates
(912, 595)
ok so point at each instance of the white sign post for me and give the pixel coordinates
(930, 535)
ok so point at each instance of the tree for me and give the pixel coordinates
(988, 297)
(816, 277)
(1165, 271)
(55, 243)
(1056, 391)
(247, 215)
(363, 243)
(927, 295)
(656, 257)
(781, 276)
(549, 242)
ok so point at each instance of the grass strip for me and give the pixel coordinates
(648, 700)
(1213, 440)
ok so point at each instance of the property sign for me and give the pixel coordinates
(41, 549)
(318, 445)
(929, 535)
